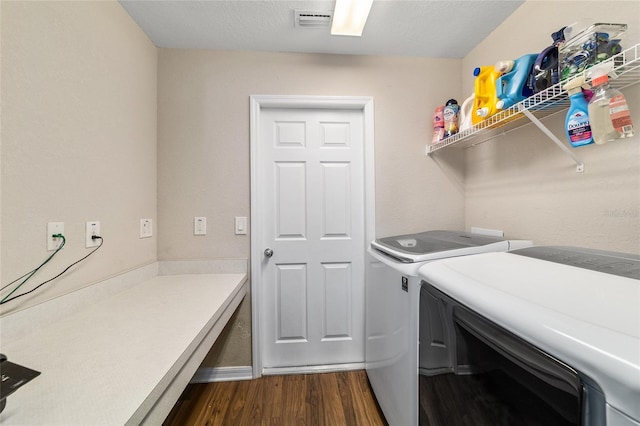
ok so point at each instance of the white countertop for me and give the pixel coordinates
(587, 319)
(108, 363)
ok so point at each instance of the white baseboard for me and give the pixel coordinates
(310, 369)
(227, 374)
(222, 374)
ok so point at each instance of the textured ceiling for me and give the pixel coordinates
(427, 28)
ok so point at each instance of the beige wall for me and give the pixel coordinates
(522, 183)
(79, 88)
(203, 146)
(203, 138)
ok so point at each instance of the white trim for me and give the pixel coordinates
(222, 374)
(307, 102)
(203, 266)
(259, 102)
(311, 369)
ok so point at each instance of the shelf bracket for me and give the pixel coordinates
(550, 135)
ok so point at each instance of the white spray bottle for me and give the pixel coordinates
(608, 110)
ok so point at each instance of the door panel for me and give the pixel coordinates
(312, 199)
(337, 301)
(290, 134)
(336, 190)
(292, 303)
(290, 195)
(335, 135)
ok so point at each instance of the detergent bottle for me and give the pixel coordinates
(514, 85)
(577, 125)
(608, 109)
(484, 103)
(466, 113)
(451, 113)
(438, 125)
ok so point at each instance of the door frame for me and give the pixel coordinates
(258, 103)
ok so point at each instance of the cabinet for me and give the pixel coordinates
(546, 103)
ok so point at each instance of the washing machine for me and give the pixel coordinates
(539, 336)
(392, 310)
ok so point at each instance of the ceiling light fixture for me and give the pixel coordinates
(349, 17)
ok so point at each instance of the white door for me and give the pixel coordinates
(310, 190)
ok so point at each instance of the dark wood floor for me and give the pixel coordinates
(343, 398)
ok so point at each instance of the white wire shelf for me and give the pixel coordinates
(539, 106)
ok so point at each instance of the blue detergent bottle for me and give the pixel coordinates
(513, 86)
(577, 125)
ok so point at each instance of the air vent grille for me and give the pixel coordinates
(312, 19)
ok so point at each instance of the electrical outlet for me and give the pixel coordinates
(54, 228)
(91, 229)
(199, 225)
(146, 228)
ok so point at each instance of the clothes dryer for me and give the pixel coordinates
(393, 305)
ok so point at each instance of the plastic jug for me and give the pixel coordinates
(484, 103)
(466, 113)
(515, 85)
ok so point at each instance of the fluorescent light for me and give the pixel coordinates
(349, 17)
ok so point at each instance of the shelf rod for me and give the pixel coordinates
(562, 146)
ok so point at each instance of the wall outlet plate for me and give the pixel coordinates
(146, 228)
(91, 229)
(54, 228)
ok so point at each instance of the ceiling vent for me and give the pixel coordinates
(312, 19)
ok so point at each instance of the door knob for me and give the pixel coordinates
(268, 252)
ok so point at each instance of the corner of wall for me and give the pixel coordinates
(79, 138)
(522, 183)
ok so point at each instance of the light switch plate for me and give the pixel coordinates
(199, 225)
(146, 228)
(241, 225)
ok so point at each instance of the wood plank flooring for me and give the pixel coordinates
(343, 398)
